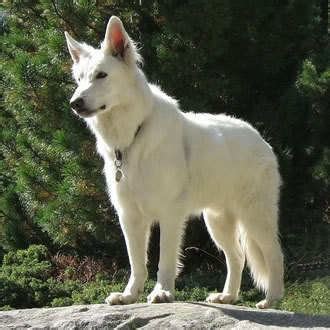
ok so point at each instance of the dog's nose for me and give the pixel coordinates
(77, 104)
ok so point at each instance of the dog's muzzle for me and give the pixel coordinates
(78, 105)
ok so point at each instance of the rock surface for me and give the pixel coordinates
(197, 315)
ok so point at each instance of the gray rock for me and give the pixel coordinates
(195, 315)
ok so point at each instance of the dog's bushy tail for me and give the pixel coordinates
(259, 233)
(255, 261)
(265, 261)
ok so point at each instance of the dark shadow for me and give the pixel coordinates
(266, 318)
(139, 322)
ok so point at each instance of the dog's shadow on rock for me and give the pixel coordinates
(271, 318)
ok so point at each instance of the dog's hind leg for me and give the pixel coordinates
(224, 232)
(136, 232)
(170, 239)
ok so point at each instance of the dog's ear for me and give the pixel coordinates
(116, 39)
(118, 43)
(75, 48)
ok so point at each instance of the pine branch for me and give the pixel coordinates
(62, 17)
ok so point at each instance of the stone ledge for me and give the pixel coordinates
(194, 315)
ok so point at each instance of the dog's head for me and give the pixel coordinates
(103, 75)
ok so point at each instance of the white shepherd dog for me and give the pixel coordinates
(162, 165)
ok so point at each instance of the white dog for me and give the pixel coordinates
(163, 165)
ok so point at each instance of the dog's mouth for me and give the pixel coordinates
(86, 113)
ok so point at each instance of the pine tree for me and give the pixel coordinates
(266, 62)
(52, 186)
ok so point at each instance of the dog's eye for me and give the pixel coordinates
(101, 75)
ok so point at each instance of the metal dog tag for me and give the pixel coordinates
(119, 174)
(118, 164)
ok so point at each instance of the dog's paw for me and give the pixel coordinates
(263, 304)
(160, 296)
(221, 298)
(119, 298)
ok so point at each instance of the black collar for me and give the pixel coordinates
(137, 131)
(119, 153)
(119, 156)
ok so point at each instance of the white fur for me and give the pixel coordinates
(180, 164)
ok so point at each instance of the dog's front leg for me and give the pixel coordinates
(170, 239)
(136, 232)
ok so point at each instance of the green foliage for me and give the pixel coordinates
(52, 189)
(24, 277)
(10, 293)
(305, 144)
(310, 297)
(27, 280)
(61, 302)
(96, 292)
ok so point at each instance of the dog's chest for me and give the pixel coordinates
(150, 181)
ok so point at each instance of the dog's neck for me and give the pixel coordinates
(114, 129)
(117, 127)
